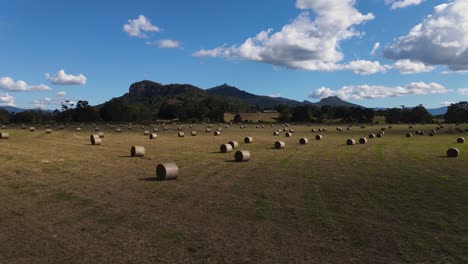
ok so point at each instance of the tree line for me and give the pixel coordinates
(213, 108)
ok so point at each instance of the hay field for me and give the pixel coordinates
(392, 200)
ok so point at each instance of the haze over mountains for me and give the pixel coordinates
(146, 91)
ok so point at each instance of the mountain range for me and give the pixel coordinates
(148, 91)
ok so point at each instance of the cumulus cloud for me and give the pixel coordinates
(7, 100)
(463, 91)
(138, 26)
(441, 39)
(59, 99)
(402, 3)
(409, 67)
(304, 43)
(165, 43)
(8, 84)
(63, 78)
(375, 48)
(364, 67)
(378, 92)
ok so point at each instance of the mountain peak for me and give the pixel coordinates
(335, 101)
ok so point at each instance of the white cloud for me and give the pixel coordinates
(364, 67)
(375, 48)
(63, 78)
(463, 91)
(8, 84)
(446, 103)
(377, 92)
(59, 99)
(165, 43)
(441, 39)
(302, 44)
(409, 67)
(7, 100)
(138, 26)
(402, 3)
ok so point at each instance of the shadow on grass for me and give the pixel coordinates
(150, 179)
(126, 156)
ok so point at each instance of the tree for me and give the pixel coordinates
(114, 111)
(4, 116)
(457, 113)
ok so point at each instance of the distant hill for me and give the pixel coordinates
(334, 101)
(252, 99)
(154, 94)
(12, 109)
(438, 111)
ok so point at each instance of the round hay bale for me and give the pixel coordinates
(155, 129)
(101, 134)
(165, 128)
(318, 137)
(137, 151)
(207, 130)
(181, 134)
(95, 140)
(409, 135)
(234, 144)
(288, 134)
(248, 140)
(303, 141)
(48, 131)
(431, 134)
(379, 135)
(217, 133)
(362, 140)
(32, 129)
(118, 130)
(129, 128)
(453, 152)
(153, 136)
(280, 145)
(291, 131)
(193, 133)
(242, 155)
(382, 132)
(179, 128)
(78, 129)
(4, 135)
(225, 148)
(23, 126)
(276, 133)
(314, 130)
(461, 140)
(348, 128)
(96, 129)
(146, 133)
(167, 171)
(350, 142)
(142, 127)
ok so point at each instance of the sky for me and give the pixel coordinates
(376, 53)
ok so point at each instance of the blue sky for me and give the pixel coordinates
(51, 51)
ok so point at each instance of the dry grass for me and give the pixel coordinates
(393, 200)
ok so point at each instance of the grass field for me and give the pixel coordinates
(393, 200)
